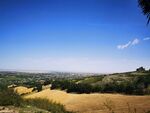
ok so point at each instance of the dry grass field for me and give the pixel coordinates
(96, 103)
(23, 90)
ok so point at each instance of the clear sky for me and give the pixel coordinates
(73, 35)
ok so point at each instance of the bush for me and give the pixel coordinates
(9, 97)
(47, 105)
(79, 88)
(39, 87)
(3, 87)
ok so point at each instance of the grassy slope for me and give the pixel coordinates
(116, 77)
(94, 103)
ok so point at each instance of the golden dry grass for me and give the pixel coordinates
(94, 103)
(22, 90)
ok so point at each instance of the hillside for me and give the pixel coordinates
(130, 83)
(119, 92)
(94, 103)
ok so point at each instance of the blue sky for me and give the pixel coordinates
(73, 35)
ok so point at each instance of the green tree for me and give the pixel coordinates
(39, 87)
(145, 6)
(140, 69)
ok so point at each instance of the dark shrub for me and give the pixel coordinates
(47, 105)
(9, 97)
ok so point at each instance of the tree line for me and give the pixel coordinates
(139, 85)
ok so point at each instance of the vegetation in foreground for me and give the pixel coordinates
(9, 98)
(46, 105)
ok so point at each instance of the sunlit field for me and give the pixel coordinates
(95, 103)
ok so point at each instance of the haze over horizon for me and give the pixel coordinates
(101, 36)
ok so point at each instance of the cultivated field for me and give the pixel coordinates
(96, 103)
